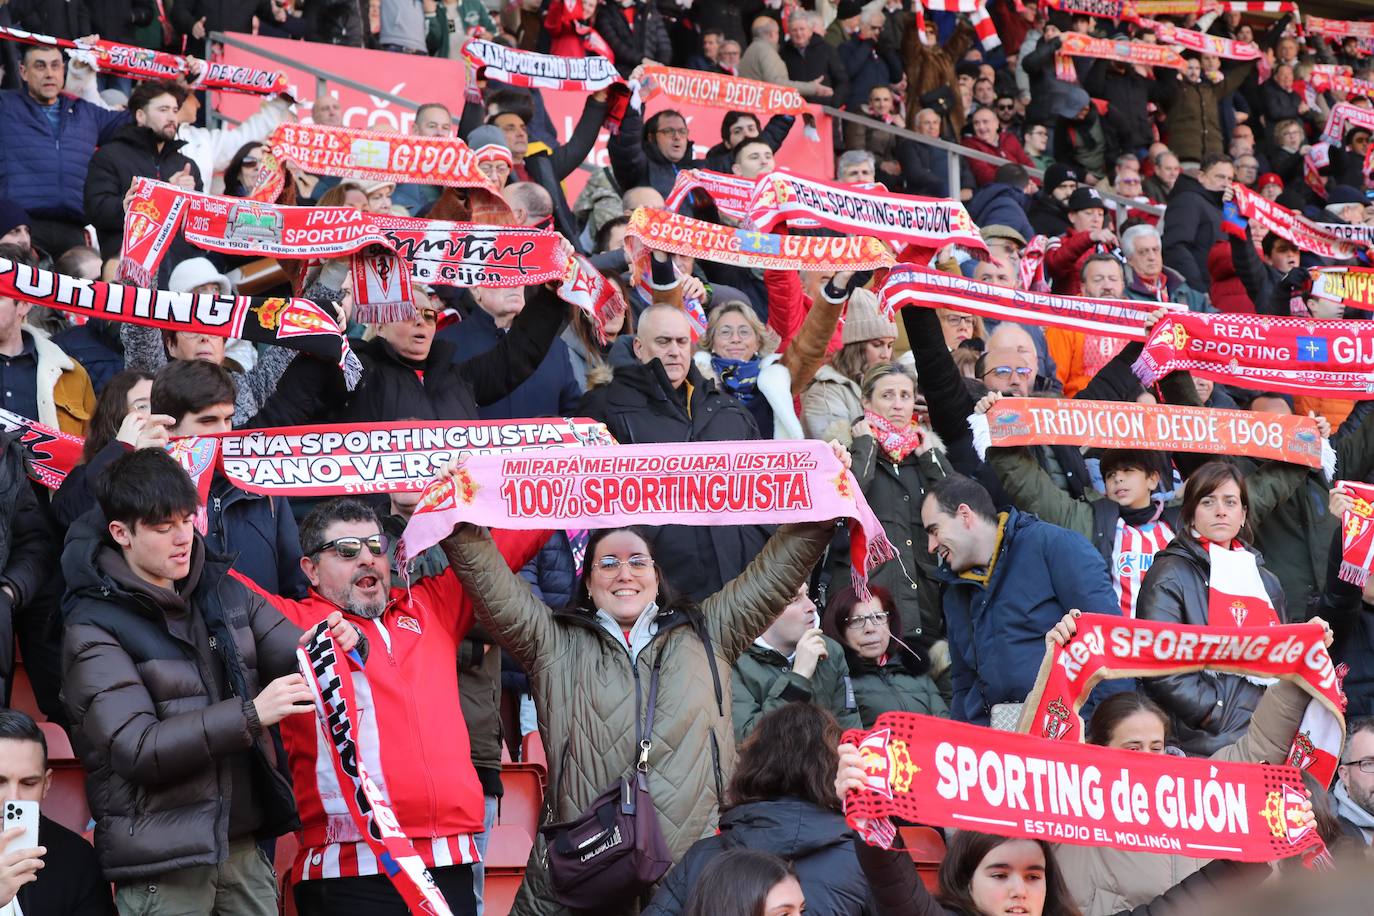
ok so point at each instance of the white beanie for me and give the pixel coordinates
(194, 272)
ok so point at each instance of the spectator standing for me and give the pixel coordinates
(196, 19)
(1048, 210)
(147, 148)
(1193, 107)
(834, 399)
(869, 64)
(1192, 220)
(635, 32)
(50, 138)
(1148, 279)
(808, 56)
(762, 61)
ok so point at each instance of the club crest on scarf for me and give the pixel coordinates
(887, 763)
(1057, 720)
(1282, 811)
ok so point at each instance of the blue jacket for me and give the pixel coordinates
(46, 173)
(1000, 205)
(997, 632)
(260, 534)
(552, 390)
(97, 347)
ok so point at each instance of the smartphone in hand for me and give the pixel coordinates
(22, 814)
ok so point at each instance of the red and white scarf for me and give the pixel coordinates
(371, 155)
(1227, 48)
(1339, 28)
(1352, 286)
(1357, 533)
(588, 289)
(718, 90)
(1288, 224)
(591, 73)
(896, 443)
(1135, 53)
(730, 193)
(1343, 117)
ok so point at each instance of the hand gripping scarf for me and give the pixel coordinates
(1357, 533)
(1153, 427)
(588, 289)
(910, 285)
(730, 193)
(298, 324)
(1343, 117)
(1353, 286)
(547, 71)
(759, 482)
(141, 63)
(1292, 355)
(663, 230)
(49, 453)
(332, 676)
(718, 90)
(1227, 48)
(896, 443)
(348, 152)
(1112, 647)
(922, 221)
(949, 774)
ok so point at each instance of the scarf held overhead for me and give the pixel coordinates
(1111, 647)
(1227, 48)
(541, 71)
(1135, 53)
(1154, 427)
(1353, 286)
(1288, 224)
(663, 230)
(1357, 533)
(926, 222)
(948, 774)
(349, 152)
(910, 285)
(1291, 355)
(332, 675)
(699, 483)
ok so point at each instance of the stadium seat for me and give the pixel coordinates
(21, 693)
(508, 850)
(287, 847)
(523, 798)
(532, 752)
(66, 801)
(927, 849)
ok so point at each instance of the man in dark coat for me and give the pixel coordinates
(174, 674)
(49, 141)
(1002, 202)
(120, 20)
(652, 152)
(147, 148)
(738, 126)
(635, 32)
(1192, 222)
(27, 544)
(1048, 210)
(809, 56)
(660, 397)
(867, 63)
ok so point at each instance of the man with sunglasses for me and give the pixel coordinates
(1354, 792)
(419, 749)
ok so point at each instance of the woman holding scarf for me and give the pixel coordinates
(739, 353)
(896, 460)
(1210, 575)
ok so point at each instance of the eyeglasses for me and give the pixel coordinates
(1011, 107)
(349, 547)
(250, 162)
(673, 131)
(958, 321)
(1006, 372)
(638, 563)
(428, 316)
(877, 619)
(1366, 764)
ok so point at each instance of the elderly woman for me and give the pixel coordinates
(587, 661)
(740, 354)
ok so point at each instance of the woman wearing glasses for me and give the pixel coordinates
(591, 667)
(884, 672)
(740, 354)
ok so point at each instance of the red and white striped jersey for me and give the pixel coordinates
(353, 860)
(1133, 553)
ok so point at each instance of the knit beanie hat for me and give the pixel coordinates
(863, 320)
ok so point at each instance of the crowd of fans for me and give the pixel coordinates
(166, 648)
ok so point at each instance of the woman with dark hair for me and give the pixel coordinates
(744, 882)
(119, 423)
(884, 672)
(241, 174)
(1208, 709)
(593, 665)
(586, 352)
(781, 800)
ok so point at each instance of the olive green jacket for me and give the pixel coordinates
(763, 680)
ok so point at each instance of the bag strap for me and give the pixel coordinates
(644, 733)
(700, 627)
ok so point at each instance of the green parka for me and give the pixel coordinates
(763, 680)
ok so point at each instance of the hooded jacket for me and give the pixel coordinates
(583, 677)
(763, 680)
(816, 841)
(1208, 709)
(132, 152)
(159, 685)
(999, 204)
(1192, 224)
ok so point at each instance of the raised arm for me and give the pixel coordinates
(496, 373)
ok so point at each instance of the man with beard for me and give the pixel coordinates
(147, 148)
(414, 635)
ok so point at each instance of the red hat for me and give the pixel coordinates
(1266, 180)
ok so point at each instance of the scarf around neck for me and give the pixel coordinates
(895, 443)
(739, 377)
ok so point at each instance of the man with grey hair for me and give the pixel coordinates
(1160, 185)
(531, 204)
(1147, 278)
(761, 61)
(867, 62)
(809, 57)
(856, 166)
(1354, 792)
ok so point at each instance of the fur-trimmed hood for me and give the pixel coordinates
(775, 384)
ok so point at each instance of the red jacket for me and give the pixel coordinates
(1008, 147)
(413, 740)
(1063, 259)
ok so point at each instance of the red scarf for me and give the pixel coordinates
(1357, 533)
(896, 443)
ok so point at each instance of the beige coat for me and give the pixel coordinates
(584, 684)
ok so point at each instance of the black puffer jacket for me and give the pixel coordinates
(119, 20)
(131, 152)
(1192, 225)
(159, 686)
(636, 160)
(1209, 709)
(640, 405)
(815, 840)
(630, 43)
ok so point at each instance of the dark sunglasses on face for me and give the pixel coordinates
(250, 163)
(349, 547)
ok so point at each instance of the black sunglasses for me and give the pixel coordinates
(349, 547)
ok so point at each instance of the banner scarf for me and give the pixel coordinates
(331, 674)
(50, 453)
(298, 324)
(720, 90)
(438, 252)
(371, 155)
(1340, 28)
(923, 221)
(1343, 117)
(588, 289)
(642, 281)
(1292, 355)
(1357, 533)
(1339, 82)
(548, 71)
(1290, 225)
(141, 63)
(1142, 53)
(1190, 7)
(1353, 286)
(730, 193)
(761, 482)
(1154, 427)
(1108, 647)
(910, 285)
(1227, 48)
(663, 230)
(949, 774)
(1102, 9)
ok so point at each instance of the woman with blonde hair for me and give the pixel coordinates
(739, 353)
